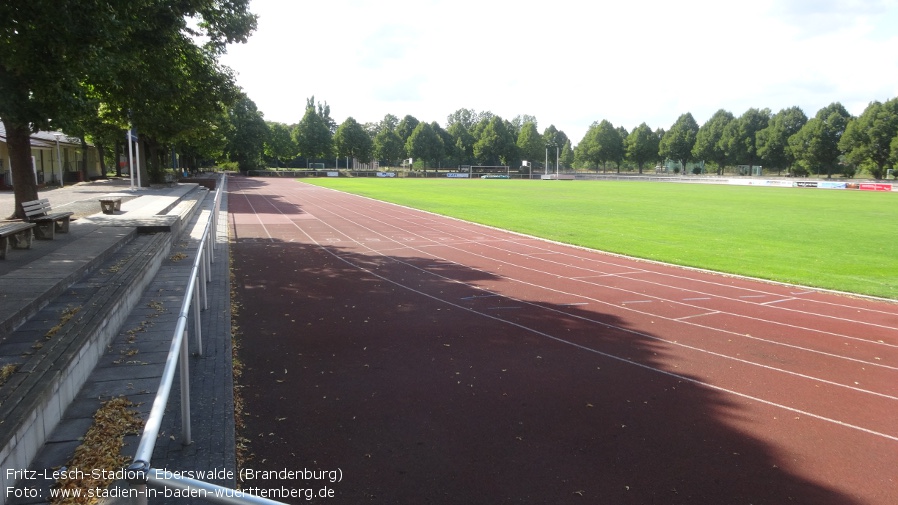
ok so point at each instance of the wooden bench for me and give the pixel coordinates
(18, 235)
(48, 222)
(110, 205)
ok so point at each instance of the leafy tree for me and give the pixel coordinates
(601, 144)
(279, 144)
(894, 157)
(773, 141)
(707, 141)
(424, 143)
(247, 135)
(867, 139)
(677, 143)
(567, 155)
(389, 122)
(204, 145)
(642, 146)
(740, 136)
(42, 65)
(553, 137)
(622, 153)
(495, 144)
(519, 121)
(60, 60)
(405, 128)
(816, 145)
(388, 146)
(530, 142)
(467, 118)
(352, 140)
(324, 112)
(312, 135)
(448, 153)
(462, 147)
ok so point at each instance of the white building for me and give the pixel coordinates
(47, 164)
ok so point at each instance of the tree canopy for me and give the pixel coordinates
(61, 59)
(773, 141)
(352, 140)
(868, 139)
(816, 145)
(708, 145)
(677, 143)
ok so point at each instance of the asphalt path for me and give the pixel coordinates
(423, 359)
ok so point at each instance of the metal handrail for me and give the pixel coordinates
(140, 473)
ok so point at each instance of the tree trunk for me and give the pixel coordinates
(18, 138)
(84, 176)
(117, 158)
(101, 152)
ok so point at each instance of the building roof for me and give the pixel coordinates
(46, 140)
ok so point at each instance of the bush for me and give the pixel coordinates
(799, 171)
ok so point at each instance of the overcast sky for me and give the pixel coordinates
(567, 62)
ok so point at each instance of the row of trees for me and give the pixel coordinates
(94, 68)
(470, 138)
(830, 142)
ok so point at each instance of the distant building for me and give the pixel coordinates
(46, 164)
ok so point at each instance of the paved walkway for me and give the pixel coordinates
(134, 361)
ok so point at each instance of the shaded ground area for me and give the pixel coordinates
(416, 400)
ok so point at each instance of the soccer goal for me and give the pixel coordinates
(489, 172)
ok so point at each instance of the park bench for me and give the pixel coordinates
(48, 222)
(110, 205)
(17, 234)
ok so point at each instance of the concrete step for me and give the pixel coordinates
(107, 291)
(55, 354)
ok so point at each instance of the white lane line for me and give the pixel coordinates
(474, 297)
(697, 315)
(779, 301)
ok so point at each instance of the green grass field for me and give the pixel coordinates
(835, 239)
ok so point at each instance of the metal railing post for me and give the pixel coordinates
(197, 321)
(204, 278)
(137, 478)
(186, 437)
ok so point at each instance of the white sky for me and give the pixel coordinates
(567, 62)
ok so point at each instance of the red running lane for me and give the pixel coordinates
(435, 360)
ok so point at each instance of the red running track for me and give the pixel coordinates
(431, 360)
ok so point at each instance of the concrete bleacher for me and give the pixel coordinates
(66, 308)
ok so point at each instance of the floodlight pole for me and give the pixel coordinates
(556, 161)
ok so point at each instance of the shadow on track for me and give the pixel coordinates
(418, 399)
